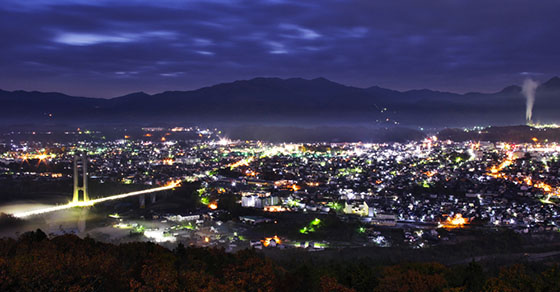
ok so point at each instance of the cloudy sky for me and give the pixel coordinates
(109, 48)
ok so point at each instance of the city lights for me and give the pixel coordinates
(456, 221)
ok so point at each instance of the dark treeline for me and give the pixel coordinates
(514, 134)
(34, 262)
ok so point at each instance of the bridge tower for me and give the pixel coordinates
(80, 161)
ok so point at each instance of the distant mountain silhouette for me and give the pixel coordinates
(293, 101)
(552, 84)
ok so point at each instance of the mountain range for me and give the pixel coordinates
(293, 101)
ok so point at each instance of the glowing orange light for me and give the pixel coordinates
(42, 157)
(213, 206)
(251, 173)
(24, 157)
(274, 209)
(173, 183)
(267, 241)
(545, 187)
(295, 187)
(456, 221)
(495, 171)
(242, 162)
(430, 173)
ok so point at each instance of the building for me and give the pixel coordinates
(358, 209)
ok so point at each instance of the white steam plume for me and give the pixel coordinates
(529, 89)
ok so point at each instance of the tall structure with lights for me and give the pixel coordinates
(80, 160)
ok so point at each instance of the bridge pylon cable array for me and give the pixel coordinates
(80, 161)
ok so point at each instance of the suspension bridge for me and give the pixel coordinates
(81, 189)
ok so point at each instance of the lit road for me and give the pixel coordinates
(169, 186)
(548, 190)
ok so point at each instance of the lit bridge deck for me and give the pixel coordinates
(169, 186)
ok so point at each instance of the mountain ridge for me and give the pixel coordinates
(290, 100)
(553, 81)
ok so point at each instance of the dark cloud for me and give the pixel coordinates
(108, 48)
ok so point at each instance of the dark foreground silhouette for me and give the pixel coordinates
(34, 262)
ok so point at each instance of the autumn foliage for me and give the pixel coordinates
(68, 263)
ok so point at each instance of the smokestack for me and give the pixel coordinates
(529, 89)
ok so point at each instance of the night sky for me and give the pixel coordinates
(110, 48)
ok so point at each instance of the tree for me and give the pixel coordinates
(329, 284)
(474, 277)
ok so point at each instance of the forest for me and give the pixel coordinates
(34, 262)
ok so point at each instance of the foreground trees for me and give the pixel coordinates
(68, 263)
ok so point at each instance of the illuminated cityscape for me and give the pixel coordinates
(421, 187)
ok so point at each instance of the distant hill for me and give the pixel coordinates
(517, 134)
(293, 101)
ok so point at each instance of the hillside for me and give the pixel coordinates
(67, 263)
(293, 101)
